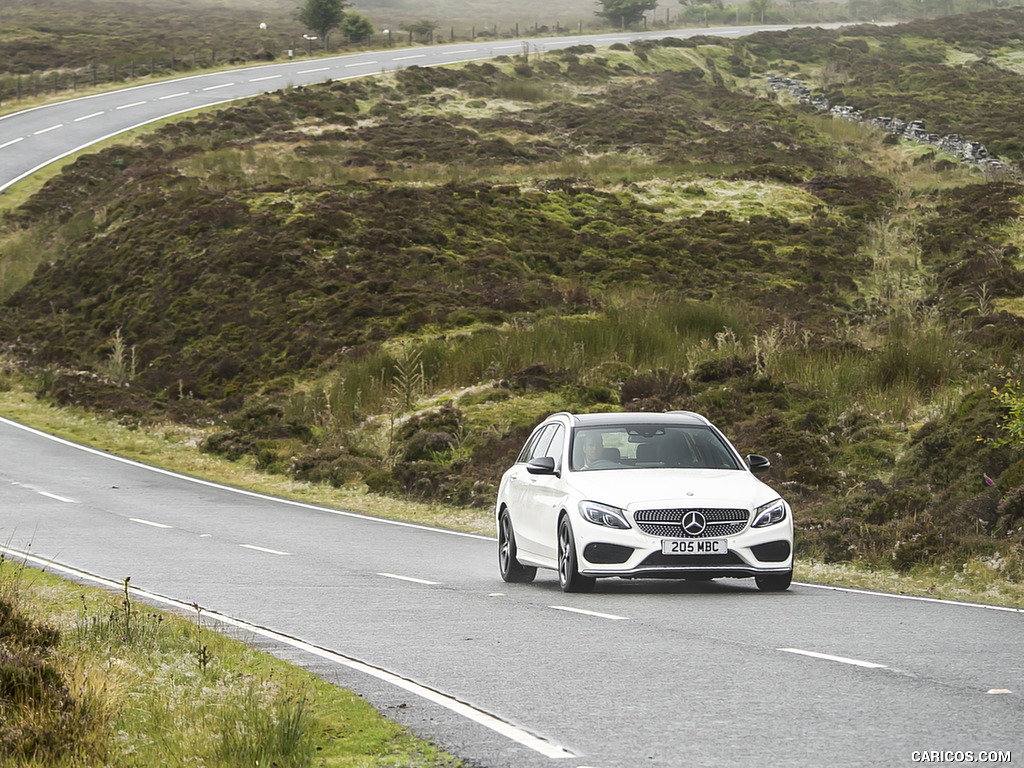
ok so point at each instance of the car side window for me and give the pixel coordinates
(538, 445)
(554, 448)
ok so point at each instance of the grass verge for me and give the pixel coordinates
(92, 678)
(175, 447)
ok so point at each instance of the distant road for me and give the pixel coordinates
(32, 139)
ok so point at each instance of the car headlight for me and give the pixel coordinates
(769, 514)
(603, 514)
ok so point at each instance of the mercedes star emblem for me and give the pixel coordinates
(694, 523)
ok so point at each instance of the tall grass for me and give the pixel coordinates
(639, 332)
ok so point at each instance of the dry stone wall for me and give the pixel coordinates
(972, 152)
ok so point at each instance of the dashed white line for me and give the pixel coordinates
(268, 77)
(88, 117)
(47, 130)
(215, 87)
(406, 58)
(479, 716)
(133, 104)
(149, 522)
(830, 657)
(610, 616)
(407, 578)
(12, 141)
(56, 497)
(311, 71)
(368, 63)
(174, 95)
(264, 549)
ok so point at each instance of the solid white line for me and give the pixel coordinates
(261, 79)
(215, 87)
(133, 104)
(520, 736)
(368, 63)
(12, 141)
(149, 522)
(407, 578)
(918, 598)
(47, 130)
(264, 549)
(829, 657)
(55, 496)
(174, 95)
(611, 616)
(240, 491)
(311, 71)
(88, 117)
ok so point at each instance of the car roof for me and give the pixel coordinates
(682, 418)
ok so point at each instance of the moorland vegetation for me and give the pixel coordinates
(386, 283)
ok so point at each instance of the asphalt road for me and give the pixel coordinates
(34, 138)
(636, 674)
(417, 620)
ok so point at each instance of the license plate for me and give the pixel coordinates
(694, 547)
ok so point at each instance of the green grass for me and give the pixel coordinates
(141, 687)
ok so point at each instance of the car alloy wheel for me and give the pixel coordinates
(511, 569)
(569, 578)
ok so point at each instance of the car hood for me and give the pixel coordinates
(672, 488)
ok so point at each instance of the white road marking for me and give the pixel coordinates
(47, 130)
(149, 522)
(174, 95)
(479, 716)
(918, 598)
(407, 578)
(611, 616)
(264, 549)
(829, 657)
(406, 58)
(311, 71)
(241, 491)
(58, 498)
(215, 87)
(12, 141)
(88, 117)
(133, 104)
(268, 77)
(368, 63)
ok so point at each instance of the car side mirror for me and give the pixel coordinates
(758, 464)
(542, 465)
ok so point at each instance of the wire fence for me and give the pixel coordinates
(15, 88)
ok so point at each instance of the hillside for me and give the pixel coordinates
(388, 282)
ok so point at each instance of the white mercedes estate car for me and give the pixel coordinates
(640, 495)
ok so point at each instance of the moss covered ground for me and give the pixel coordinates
(384, 284)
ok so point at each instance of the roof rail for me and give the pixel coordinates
(691, 413)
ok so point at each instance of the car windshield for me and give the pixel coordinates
(649, 446)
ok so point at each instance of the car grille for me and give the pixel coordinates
(668, 522)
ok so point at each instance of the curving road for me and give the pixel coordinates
(416, 619)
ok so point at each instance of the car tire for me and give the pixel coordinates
(774, 582)
(512, 571)
(569, 578)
